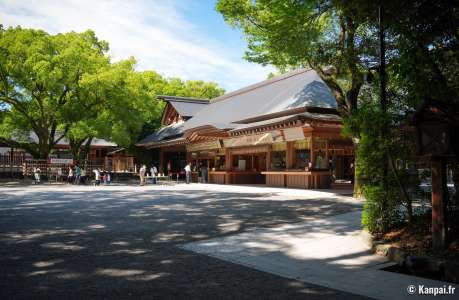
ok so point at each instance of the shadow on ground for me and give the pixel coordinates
(103, 243)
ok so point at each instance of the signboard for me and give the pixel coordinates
(61, 161)
(254, 140)
(204, 146)
(293, 134)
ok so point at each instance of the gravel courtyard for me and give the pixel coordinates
(118, 242)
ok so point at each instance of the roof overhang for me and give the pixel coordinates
(205, 132)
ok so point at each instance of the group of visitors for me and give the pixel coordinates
(144, 175)
(203, 173)
(77, 175)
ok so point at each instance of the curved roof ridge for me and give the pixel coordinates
(261, 84)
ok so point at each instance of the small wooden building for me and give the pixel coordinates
(284, 132)
(120, 161)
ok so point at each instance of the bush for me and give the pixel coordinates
(383, 207)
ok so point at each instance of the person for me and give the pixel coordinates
(169, 169)
(70, 176)
(319, 160)
(188, 172)
(83, 176)
(103, 177)
(24, 171)
(108, 178)
(204, 173)
(77, 174)
(200, 171)
(153, 172)
(59, 174)
(96, 177)
(36, 174)
(142, 172)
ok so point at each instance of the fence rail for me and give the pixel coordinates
(16, 166)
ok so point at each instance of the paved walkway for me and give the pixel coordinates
(121, 242)
(328, 252)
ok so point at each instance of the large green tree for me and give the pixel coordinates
(40, 77)
(65, 86)
(340, 40)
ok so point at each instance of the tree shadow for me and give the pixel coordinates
(115, 243)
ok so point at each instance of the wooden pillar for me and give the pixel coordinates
(11, 161)
(161, 161)
(268, 158)
(228, 165)
(438, 213)
(313, 159)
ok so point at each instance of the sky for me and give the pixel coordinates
(176, 38)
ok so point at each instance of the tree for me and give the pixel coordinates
(339, 40)
(65, 86)
(328, 36)
(40, 76)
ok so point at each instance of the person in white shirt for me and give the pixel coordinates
(188, 173)
(142, 172)
(36, 173)
(96, 176)
(153, 172)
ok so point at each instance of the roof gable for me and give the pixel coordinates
(180, 108)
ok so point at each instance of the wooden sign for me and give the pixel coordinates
(203, 146)
(254, 140)
(61, 161)
(293, 134)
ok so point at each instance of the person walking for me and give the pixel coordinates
(36, 174)
(96, 177)
(188, 172)
(153, 172)
(70, 175)
(142, 172)
(83, 176)
(77, 174)
(200, 169)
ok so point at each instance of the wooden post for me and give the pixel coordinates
(161, 161)
(438, 213)
(268, 158)
(312, 158)
(11, 161)
(228, 165)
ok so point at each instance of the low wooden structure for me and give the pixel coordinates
(282, 132)
(120, 161)
(437, 128)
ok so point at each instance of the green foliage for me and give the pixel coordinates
(65, 85)
(335, 38)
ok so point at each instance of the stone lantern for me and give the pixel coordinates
(437, 130)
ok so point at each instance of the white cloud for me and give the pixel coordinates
(154, 32)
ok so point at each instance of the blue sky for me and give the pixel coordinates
(177, 38)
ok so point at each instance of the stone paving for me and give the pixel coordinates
(118, 242)
(330, 252)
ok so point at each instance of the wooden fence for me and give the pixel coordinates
(20, 166)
